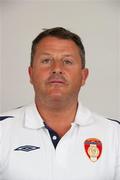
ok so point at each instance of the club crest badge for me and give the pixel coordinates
(93, 148)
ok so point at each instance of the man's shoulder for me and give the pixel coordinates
(114, 120)
(106, 120)
(12, 115)
(88, 116)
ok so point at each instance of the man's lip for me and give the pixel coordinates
(56, 81)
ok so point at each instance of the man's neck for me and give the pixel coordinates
(58, 118)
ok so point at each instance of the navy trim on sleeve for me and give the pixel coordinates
(5, 117)
(114, 120)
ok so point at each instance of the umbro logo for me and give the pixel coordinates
(27, 148)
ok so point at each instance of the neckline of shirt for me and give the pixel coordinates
(33, 119)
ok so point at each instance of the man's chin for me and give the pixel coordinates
(56, 96)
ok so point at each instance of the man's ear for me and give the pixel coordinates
(30, 72)
(85, 73)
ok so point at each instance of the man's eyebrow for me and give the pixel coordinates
(68, 55)
(63, 55)
(45, 53)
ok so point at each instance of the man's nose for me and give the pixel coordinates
(57, 67)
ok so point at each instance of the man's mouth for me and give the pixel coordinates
(56, 81)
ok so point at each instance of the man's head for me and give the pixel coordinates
(57, 69)
(61, 33)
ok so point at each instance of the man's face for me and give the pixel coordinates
(57, 73)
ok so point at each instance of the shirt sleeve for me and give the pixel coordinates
(117, 170)
(0, 145)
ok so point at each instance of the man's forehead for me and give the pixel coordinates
(53, 43)
(52, 40)
(49, 54)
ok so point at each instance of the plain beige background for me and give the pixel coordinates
(98, 24)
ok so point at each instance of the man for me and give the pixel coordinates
(56, 138)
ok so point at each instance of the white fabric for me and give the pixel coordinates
(69, 161)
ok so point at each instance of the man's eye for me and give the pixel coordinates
(46, 61)
(67, 61)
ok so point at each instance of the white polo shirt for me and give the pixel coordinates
(90, 150)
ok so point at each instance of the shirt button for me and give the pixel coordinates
(54, 137)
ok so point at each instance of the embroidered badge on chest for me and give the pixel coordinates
(27, 148)
(93, 148)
